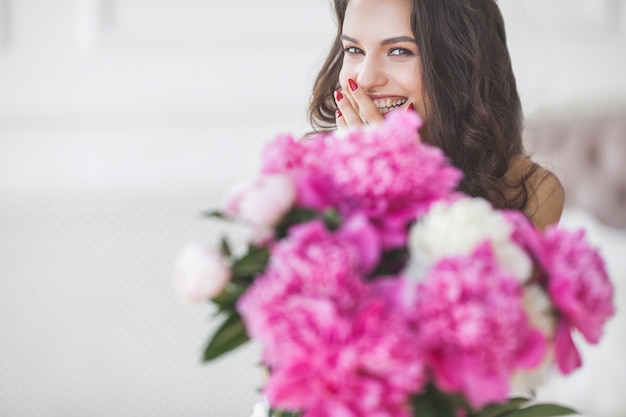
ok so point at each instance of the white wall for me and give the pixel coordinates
(121, 120)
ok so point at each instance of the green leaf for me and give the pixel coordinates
(231, 334)
(496, 410)
(215, 214)
(225, 248)
(331, 219)
(434, 403)
(294, 216)
(251, 264)
(543, 410)
(391, 262)
(227, 299)
(280, 413)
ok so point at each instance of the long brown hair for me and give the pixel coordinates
(473, 109)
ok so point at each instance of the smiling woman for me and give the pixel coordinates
(384, 58)
(449, 62)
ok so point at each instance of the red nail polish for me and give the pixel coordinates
(352, 83)
(411, 107)
(338, 95)
(337, 114)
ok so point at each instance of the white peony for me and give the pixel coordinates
(200, 273)
(457, 228)
(538, 308)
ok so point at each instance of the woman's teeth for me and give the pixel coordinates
(385, 106)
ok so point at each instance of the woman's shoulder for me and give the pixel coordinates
(545, 192)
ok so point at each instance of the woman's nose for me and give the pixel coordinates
(371, 74)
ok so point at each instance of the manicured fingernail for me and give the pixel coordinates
(352, 83)
(411, 107)
(337, 114)
(338, 95)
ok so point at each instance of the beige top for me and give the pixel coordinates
(545, 193)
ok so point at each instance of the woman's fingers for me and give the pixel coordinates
(349, 114)
(355, 106)
(369, 113)
(339, 120)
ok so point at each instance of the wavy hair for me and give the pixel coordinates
(473, 109)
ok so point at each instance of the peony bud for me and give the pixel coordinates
(261, 409)
(262, 202)
(200, 273)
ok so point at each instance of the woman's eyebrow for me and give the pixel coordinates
(389, 41)
(398, 39)
(348, 38)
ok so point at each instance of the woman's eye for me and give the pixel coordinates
(352, 50)
(400, 52)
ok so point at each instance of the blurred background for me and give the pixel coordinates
(122, 120)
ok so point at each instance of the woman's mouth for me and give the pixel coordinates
(386, 105)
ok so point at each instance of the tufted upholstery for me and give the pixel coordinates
(589, 157)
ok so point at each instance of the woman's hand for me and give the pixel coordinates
(355, 107)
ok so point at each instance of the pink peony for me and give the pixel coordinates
(579, 287)
(574, 275)
(286, 154)
(474, 326)
(567, 357)
(349, 364)
(385, 173)
(325, 332)
(365, 238)
(381, 171)
(200, 273)
(262, 202)
(310, 263)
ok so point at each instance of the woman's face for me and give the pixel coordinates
(380, 53)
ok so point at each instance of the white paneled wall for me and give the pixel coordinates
(138, 77)
(4, 27)
(568, 55)
(121, 120)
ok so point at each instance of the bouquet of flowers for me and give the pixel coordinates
(375, 289)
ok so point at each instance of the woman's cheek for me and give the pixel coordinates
(342, 79)
(348, 70)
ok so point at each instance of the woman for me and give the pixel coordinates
(447, 60)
